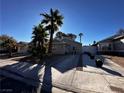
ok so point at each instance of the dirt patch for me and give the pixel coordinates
(116, 89)
(116, 59)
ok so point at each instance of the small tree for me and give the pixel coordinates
(39, 39)
(9, 43)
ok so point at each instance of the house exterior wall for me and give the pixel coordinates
(65, 44)
(105, 46)
(115, 47)
(119, 45)
(58, 48)
(23, 49)
(66, 47)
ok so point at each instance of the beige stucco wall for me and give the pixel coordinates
(66, 47)
(23, 49)
(119, 45)
(58, 48)
(78, 46)
(90, 49)
(105, 46)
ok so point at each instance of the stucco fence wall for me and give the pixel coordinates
(90, 49)
(58, 48)
(114, 53)
(78, 47)
(66, 48)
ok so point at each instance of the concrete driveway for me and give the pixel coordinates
(63, 74)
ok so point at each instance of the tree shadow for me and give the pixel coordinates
(25, 71)
(68, 63)
(31, 71)
(47, 81)
(80, 63)
(62, 64)
(87, 61)
(111, 71)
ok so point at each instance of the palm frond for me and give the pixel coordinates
(55, 27)
(48, 27)
(56, 12)
(51, 12)
(44, 21)
(46, 16)
(59, 22)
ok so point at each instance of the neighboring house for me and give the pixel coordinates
(23, 47)
(112, 45)
(66, 44)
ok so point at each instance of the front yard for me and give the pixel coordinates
(116, 59)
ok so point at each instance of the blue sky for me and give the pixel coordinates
(96, 19)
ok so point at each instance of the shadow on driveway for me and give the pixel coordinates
(87, 61)
(62, 64)
(31, 71)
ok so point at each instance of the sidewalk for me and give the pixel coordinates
(109, 79)
(63, 75)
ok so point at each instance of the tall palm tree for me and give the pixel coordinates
(80, 35)
(52, 23)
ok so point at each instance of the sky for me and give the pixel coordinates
(96, 19)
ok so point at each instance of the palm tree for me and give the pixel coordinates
(52, 23)
(80, 35)
(39, 36)
(39, 39)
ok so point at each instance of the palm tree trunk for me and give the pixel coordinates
(50, 43)
(51, 33)
(80, 39)
(42, 43)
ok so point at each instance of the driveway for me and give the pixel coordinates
(62, 73)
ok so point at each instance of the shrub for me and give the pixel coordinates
(99, 62)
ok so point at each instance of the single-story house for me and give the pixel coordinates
(23, 47)
(112, 45)
(66, 44)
